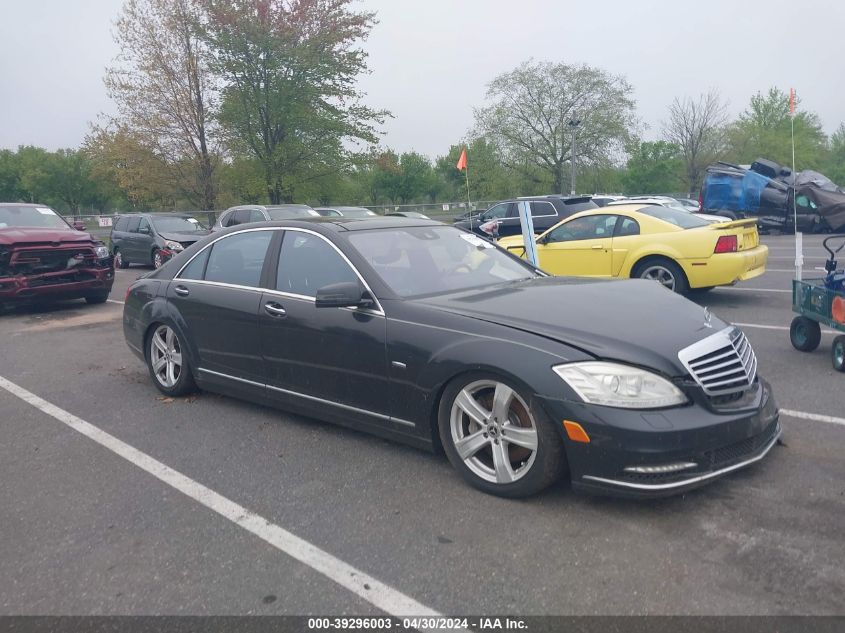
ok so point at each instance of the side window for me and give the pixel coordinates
(238, 259)
(542, 208)
(627, 226)
(196, 269)
(132, 224)
(307, 262)
(241, 216)
(256, 216)
(586, 228)
(228, 219)
(498, 211)
(120, 225)
(144, 226)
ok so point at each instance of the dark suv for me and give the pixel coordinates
(246, 213)
(546, 211)
(152, 238)
(43, 258)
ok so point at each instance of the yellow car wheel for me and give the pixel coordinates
(664, 271)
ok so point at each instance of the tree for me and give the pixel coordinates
(164, 91)
(764, 130)
(528, 120)
(290, 99)
(653, 167)
(697, 127)
(489, 179)
(10, 177)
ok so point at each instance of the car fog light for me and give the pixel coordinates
(661, 468)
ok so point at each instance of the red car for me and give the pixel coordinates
(43, 258)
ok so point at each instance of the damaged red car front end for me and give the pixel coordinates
(42, 258)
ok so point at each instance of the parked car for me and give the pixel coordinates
(603, 199)
(152, 238)
(426, 334)
(694, 206)
(246, 213)
(546, 211)
(345, 212)
(679, 249)
(43, 258)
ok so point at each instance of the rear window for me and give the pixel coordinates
(683, 219)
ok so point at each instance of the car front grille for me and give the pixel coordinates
(52, 260)
(721, 457)
(721, 364)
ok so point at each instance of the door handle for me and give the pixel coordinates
(597, 247)
(274, 309)
(181, 291)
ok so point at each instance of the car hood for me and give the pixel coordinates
(31, 235)
(634, 321)
(185, 237)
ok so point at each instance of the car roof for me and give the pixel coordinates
(22, 204)
(338, 225)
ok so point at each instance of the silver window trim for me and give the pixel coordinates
(346, 407)
(377, 311)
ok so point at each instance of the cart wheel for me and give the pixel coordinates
(805, 334)
(837, 353)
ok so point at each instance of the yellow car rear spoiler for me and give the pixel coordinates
(733, 224)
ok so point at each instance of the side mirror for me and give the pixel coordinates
(79, 225)
(346, 294)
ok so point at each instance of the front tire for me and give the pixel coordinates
(837, 353)
(158, 259)
(665, 272)
(495, 440)
(119, 261)
(805, 334)
(97, 297)
(167, 362)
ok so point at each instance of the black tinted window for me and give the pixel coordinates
(241, 216)
(228, 219)
(132, 224)
(238, 259)
(542, 208)
(196, 268)
(627, 226)
(120, 224)
(307, 263)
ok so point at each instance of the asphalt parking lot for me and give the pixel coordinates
(88, 531)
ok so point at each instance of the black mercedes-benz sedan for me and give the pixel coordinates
(430, 335)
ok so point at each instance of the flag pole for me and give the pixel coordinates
(799, 247)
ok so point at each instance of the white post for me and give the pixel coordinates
(799, 247)
(527, 225)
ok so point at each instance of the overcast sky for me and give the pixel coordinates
(431, 59)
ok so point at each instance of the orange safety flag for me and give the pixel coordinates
(462, 161)
(792, 102)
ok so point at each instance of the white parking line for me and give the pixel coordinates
(115, 301)
(377, 593)
(815, 417)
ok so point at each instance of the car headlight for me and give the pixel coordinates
(173, 246)
(616, 385)
(101, 251)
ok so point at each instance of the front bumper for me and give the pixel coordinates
(55, 286)
(713, 442)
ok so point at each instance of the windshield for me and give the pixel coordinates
(354, 212)
(683, 219)
(429, 260)
(177, 225)
(32, 217)
(283, 213)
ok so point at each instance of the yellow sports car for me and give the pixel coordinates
(679, 249)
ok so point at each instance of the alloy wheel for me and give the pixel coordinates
(165, 356)
(493, 431)
(661, 275)
(118, 260)
(158, 260)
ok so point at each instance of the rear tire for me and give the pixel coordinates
(664, 271)
(496, 440)
(97, 297)
(805, 334)
(837, 353)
